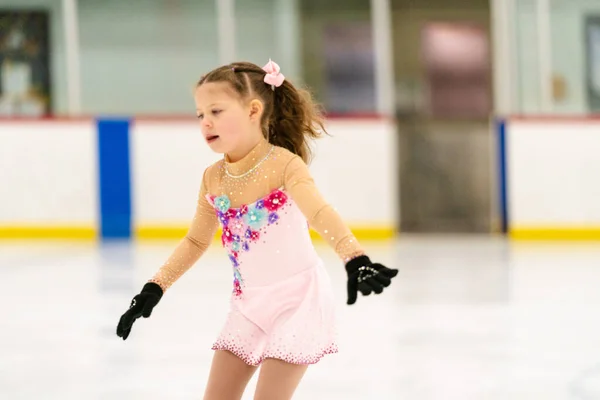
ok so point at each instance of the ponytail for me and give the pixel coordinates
(296, 119)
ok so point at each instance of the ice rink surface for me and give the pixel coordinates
(467, 318)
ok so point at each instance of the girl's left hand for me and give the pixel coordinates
(366, 277)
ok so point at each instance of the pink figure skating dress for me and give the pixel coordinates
(281, 304)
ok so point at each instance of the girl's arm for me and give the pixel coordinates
(198, 238)
(363, 275)
(321, 216)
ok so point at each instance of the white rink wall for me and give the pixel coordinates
(355, 170)
(553, 178)
(49, 174)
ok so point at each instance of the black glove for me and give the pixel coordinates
(366, 277)
(141, 306)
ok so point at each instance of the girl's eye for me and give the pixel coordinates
(214, 112)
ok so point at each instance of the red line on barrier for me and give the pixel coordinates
(192, 117)
(173, 118)
(555, 118)
(331, 116)
(29, 120)
(359, 116)
(165, 118)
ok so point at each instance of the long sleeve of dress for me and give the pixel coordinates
(321, 216)
(198, 238)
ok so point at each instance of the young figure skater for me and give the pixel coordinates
(263, 196)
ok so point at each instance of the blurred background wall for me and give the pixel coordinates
(469, 116)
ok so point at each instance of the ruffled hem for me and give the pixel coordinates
(299, 359)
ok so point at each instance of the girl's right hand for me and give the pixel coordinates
(141, 306)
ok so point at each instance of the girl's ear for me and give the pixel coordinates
(256, 110)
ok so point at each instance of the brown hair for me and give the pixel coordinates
(290, 116)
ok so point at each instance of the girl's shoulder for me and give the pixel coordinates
(211, 173)
(283, 154)
(285, 161)
(213, 168)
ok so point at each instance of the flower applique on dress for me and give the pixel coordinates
(245, 225)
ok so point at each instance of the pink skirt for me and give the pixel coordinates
(292, 320)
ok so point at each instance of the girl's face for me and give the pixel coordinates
(225, 121)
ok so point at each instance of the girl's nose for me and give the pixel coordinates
(206, 123)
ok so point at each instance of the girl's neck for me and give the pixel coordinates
(243, 151)
(246, 157)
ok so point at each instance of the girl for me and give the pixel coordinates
(262, 195)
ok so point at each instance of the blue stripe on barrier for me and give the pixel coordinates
(114, 178)
(501, 127)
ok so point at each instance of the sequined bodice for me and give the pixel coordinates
(266, 241)
(264, 203)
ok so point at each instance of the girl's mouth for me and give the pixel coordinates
(211, 138)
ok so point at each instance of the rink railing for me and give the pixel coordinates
(87, 178)
(548, 177)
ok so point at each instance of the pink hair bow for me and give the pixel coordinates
(273, 76)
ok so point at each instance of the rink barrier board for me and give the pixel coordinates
(554, 234)
(500, 126)
(158, 233)
(114, 214)
(110, 206)
(542, 232)
(361, 232)
(49, 232)
(114, 177)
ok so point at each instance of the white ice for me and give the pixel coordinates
(467, 318)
